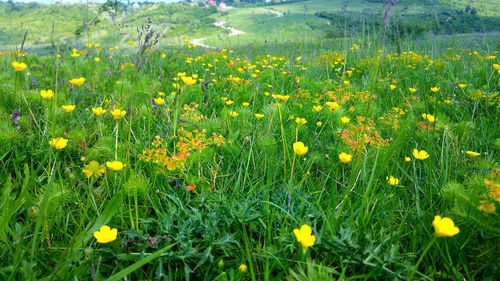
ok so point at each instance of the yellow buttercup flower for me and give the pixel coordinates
(243, 268)
(93, 168)
(435, 89)
(304, 236)
(472, 153)
(462, 86)
(106, 234)
(392, 180)
(77, 81)
(245, 104)
(98, 111)
(444, 227)
(429, 117)
(299, 148)
(346, 83)
(407, 159)
(259, 115)
(46, 94)
(229, 102)
(118, 113)
(188, 80)
(19, 66)
(233, 114)
(300, 121)
(58, 143)
(420, 155)
(68, 108)
(345, 120)
(319, 123)
(412, 90)
(283, 98)
(345, 158)
(392, 87)
(115, 165)
(159, 101)
(332, 105)
(317, 108)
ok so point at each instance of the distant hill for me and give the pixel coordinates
(70, 25)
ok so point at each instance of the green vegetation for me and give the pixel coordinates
(311, 156)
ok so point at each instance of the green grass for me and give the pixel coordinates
(250, 189)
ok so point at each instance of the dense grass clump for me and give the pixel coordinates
(234, 165)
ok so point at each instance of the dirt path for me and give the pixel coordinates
(232, 31)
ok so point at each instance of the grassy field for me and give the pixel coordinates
(301, 158)
(69, 26)
(197, 159)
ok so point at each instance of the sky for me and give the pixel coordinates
(85, 1)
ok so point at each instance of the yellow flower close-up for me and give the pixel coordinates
(77, 81)
(299, 148)
(68, 107)
(115, 166)
(420, 154)
(58, 143)
(105, 234)
(98, 111)
(444, 227)
(304, 236)
(19, 66)
(345, 158)
(118, 113)
(46, 94)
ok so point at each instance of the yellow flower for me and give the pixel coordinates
(77, 81)
(300, 121)
(105, 234)
(346, 83)
(392, 87)
(420, 155)
(496, 66)
(392, 180)
(472, 153)
(304, 236)
(93, 168)
(407, 159)
(345, 158)
(332, 105)
(429, 117)
(444, 227)
(245, 104)
(118, 113)
(58, 143)
(412, 90)
(283, 98)
(115, 165)
(317, 108)
(435, 89)
(19, 66)
(319, 123)
(97, 59)
(188, 80)
(98, 111)
(68, 108)
(159, 101)
(299, 148)
(345, 120)
(46, 94)
(259, 116)
(229, 102)
(243, 268)
(462, 86)
(233, 114)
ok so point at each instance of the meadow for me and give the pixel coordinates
(294, 160)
